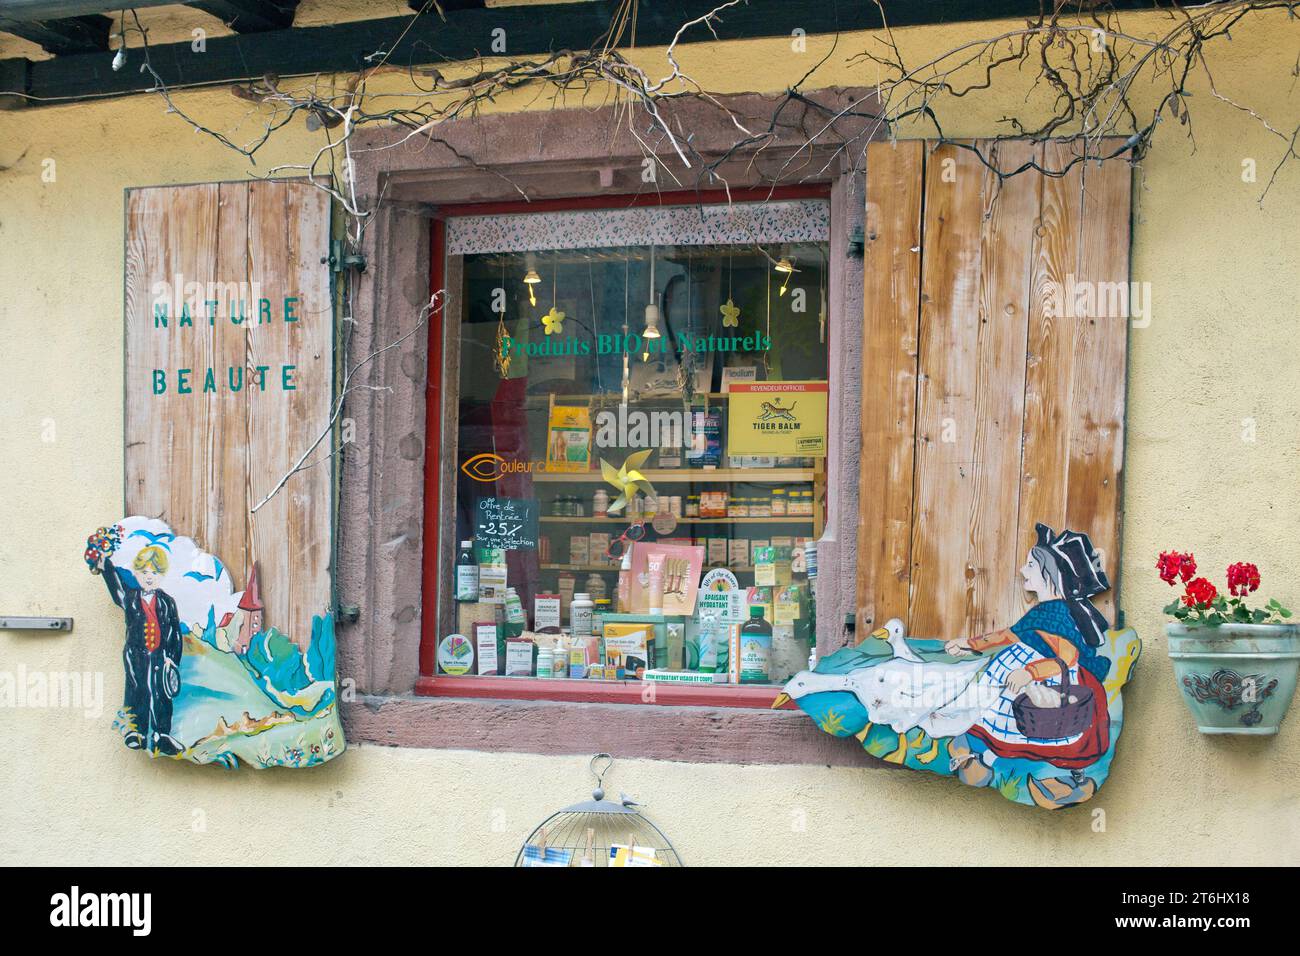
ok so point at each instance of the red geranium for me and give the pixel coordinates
(1174, 565)
(1243, 578)
(1200, 593)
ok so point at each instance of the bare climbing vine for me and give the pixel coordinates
(1090, 80)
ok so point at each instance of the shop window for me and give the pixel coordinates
(640, 419)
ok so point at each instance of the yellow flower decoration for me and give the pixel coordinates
(627, 480)
(553, 322)
(730, 314)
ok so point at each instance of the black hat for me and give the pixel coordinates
(1081, 577)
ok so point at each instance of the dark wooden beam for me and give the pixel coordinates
(466, 34)
(250, 16)
(70, 35)
(448, 6)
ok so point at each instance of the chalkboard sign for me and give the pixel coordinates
(506, 523)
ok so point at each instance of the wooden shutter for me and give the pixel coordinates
(984, 410)
(201, 460)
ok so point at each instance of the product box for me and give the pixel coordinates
(568, 439)
(656, 628)
(754, 545)
(566, 585)
(628, 647)
(519, 657)
(789, 603)
(546, 611)
(676, 568)
(598, 548)
(717, 553)
(485, 647)
(670, 457)
(706, 439)
(738, 373)
(579, 550)
(738, 553)
(772, 566)
(491, 575)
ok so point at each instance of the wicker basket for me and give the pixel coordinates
(1047, 723)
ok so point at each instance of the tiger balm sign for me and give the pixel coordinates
(777, 418)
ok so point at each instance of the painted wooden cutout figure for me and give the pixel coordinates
(207, 679)
(151, 655)
(1033, 710)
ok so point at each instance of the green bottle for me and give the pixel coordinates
(466, 573)
(755, 648)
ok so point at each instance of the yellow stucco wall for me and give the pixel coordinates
(1222, 346)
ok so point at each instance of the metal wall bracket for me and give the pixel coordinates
(340, 259)
(35, 623)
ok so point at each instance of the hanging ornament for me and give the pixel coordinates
(821, 315)
(730, 311)
(501, 357)
(730, 314)
(553, 321)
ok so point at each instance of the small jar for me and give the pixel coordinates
(760, 507)
(600, 503)
(738, 508)
(692, 506)
(675, 506)
(597, 588)
(651, 507)
(780, 506)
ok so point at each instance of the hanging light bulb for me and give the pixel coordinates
(785, 266)
(531, 279)
(652, 316)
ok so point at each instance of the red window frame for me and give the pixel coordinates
(533, 688)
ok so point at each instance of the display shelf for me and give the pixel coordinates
(757, 696)
(783, 519)
(617, 398)
(615, 567)
(691, 475)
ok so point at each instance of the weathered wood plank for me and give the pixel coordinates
(1007, 241)
(1049, 361)
(169, 234)
(946, 393)
(1097, 400)
(889, 357)
(288, 229)
(1074, 394)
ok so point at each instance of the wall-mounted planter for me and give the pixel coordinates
(1236, 678)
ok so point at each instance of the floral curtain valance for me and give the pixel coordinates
(805, 220)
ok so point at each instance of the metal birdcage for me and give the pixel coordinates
(587, 830)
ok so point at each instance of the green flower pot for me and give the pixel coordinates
(1236, 678)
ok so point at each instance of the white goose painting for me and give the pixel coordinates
(1032, 710)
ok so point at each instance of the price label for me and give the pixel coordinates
(506, 523)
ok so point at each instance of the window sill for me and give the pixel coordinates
(752, 696)
(691, 734)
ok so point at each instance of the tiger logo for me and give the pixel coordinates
(773, 410)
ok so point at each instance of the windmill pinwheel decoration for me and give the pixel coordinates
(627, 479)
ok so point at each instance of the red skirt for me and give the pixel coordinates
(1084, 752)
